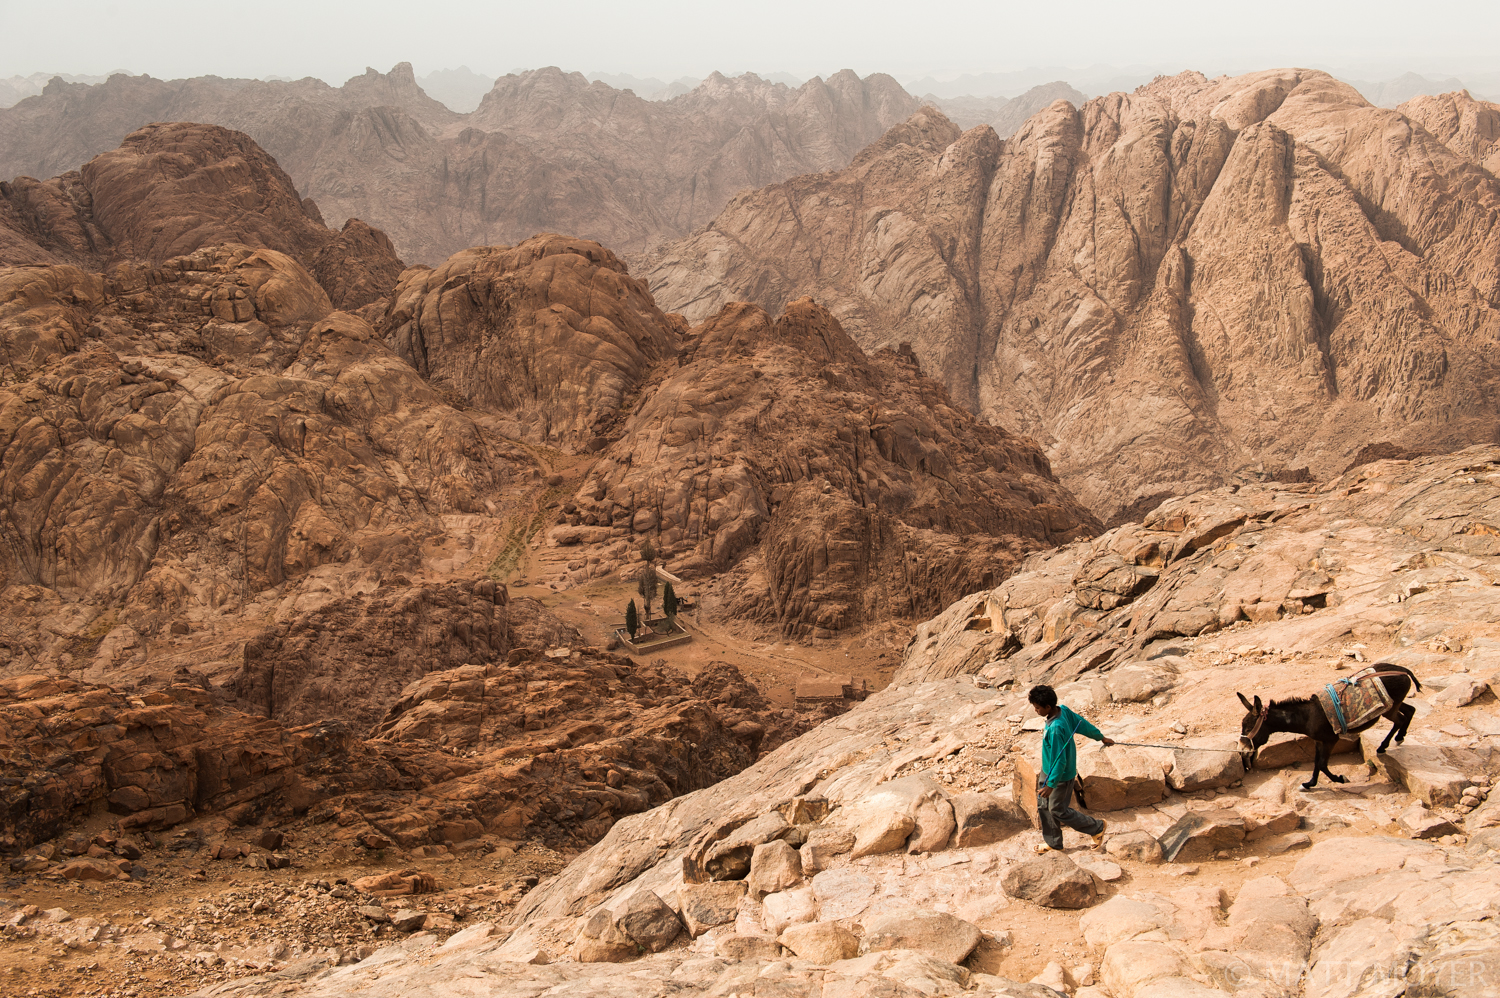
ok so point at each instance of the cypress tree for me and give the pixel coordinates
(646, 584)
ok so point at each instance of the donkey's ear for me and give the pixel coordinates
(1244, 701)
(1257, 705)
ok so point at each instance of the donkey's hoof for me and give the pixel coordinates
(1310, 784)
(1380, 750)
(1340, 779)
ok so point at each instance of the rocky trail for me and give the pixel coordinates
(890, 850)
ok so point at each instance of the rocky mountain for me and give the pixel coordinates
(1171, 288)
(543, 151)
(1468, 127)
(227, 498)
(824, 488)
(890, 852)
(14, 89)
(170, 190)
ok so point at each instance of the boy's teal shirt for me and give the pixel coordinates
(1059, 755)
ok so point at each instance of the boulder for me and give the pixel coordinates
(820, 942)
(1420, 823)
(1460, 693)
(601, 940)
(774, 866)
(649, 922)
(1285, 843)
(786, 908)
(821, 846)
(1023, 785)
(1286, 749)
(90, 868)
(1197, 835)
(1263, 819)
(1130, 964)
(1056, 977)
(1487, 815)
(729, 858)
(1137, 684)
(1102, 869)
(1437, 774)
(1121, 918)
(835, 840)
(707, 905)
(1119, 777)
(642, 923)
(747, 948)
(373, 912)
(1051, 880)
(884, 819)
(1192, 769)
(934, 826)
(981, 819)
(1270, 927)
(894, 974)
(408, 919)
(1137, 846)
(268, 838)
(935, 933)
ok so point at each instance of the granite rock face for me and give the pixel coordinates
(837, 488)
(1205, 269)
(172, 189)
(529, 746)
(554, 331)
(1468, 127)
(1311, 562)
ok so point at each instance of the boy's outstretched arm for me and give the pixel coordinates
(1086, 727)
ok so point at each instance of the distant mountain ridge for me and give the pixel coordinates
(543, 151)
(1005, 115)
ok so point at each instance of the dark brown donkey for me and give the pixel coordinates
(1304, 716)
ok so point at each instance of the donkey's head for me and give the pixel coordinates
(1253, 729)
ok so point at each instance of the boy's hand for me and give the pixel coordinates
(1107, 742)
(1044, 792)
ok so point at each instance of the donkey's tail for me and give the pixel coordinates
(1392, 666)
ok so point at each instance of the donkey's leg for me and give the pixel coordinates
(1320, 759)
(1394, 716)
(1325, 750)
(1407, 713)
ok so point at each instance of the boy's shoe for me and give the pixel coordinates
(1043, 848)
(1099, 839)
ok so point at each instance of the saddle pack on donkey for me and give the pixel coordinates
(1349, 703)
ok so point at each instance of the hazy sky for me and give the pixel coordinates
(671, 38)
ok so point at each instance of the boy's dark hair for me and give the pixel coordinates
(1043, 696)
